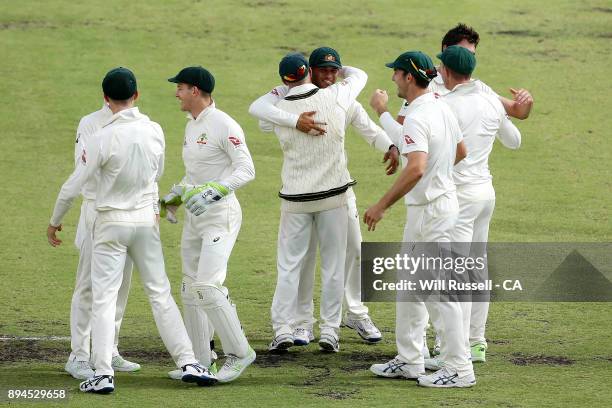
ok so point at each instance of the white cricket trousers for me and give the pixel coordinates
(294, 234)
(118, 234)
(80, 307)
(355, 309)
(476, 205)
(206, 246)
(432, 222)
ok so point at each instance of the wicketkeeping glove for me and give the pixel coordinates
(199, 198)
(171, 202)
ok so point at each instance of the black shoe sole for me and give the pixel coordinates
(198, 380)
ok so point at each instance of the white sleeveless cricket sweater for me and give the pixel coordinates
(314, 173)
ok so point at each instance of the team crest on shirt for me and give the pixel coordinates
(408, 140)
(274, 92)
(202, 140)
(235, 141)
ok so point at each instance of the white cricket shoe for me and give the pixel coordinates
(446, 378)
(234, 366)
(119, 363)
(396, 368)
(365, 328)
(79, 369)
(178, 373)
(281, 343)
(302, 336)
(100, 384)
(434, 364)
(329, 342)
(197, 373)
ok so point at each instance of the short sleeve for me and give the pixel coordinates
(414, 137)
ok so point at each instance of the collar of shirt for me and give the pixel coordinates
(300, 89)
(438, 78)
(423, 99)
(210, 108)
(124, 115)
(464, 87)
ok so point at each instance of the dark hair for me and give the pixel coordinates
(420, 81)
(459, 33)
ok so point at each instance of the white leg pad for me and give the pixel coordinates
(196, 323)
(223, 316)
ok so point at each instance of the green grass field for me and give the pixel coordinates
(556, 188)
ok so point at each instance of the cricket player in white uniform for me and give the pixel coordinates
(314, 184)
(78, 364)
(126, 161)
(432, 144)
(519, 107)
(482, 118)
(522, 101)
(217, 163)
(325, 64)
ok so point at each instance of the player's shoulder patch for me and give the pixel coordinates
(408, 140)
(274, 92)
(235, 141)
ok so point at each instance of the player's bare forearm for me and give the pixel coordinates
(417, 162)
(402, 186)
(520, 106)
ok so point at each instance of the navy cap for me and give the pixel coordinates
(415, 62)
(119, 84)
(293, 67)
(325, 57)
(197, 76)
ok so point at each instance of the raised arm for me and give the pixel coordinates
(509, 135)
(349, 88)
(264, 108)
(378, 102)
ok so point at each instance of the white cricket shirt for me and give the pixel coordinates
(480, 115)
(431, 127)
(76, 184)
(129, 156)
(214, 149)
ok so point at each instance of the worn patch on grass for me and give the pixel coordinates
(269, 360)
(291, 49)
(518, 33)
(23, 350)
(602, 9)
(317, 375)
(336, 394)
(523, 360)
(26, 25)
(498, 341)
(267, 3)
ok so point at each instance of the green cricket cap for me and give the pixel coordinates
(459, 59)
(197, 76)
(293, 67)
(325, 57)
(119, 84)
(415, 62)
